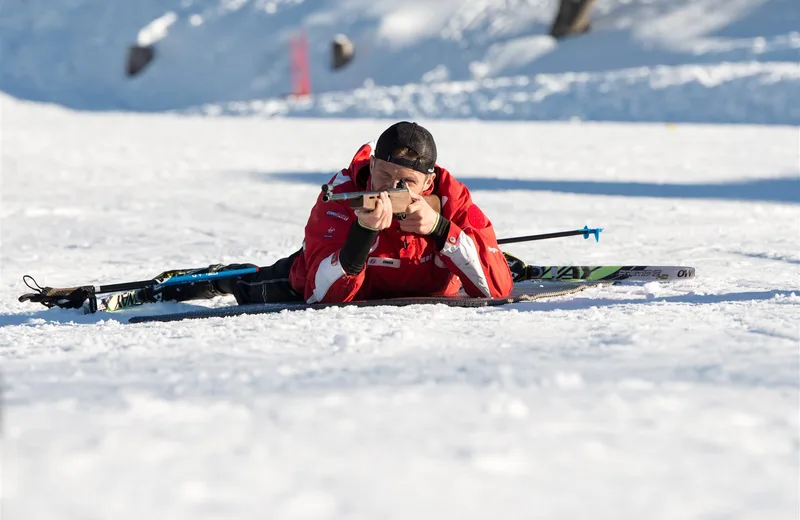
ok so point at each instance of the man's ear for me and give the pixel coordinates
(371, 169)
(429, 181)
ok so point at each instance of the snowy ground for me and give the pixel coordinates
(753, 93)
(724, 61)
(633, 402)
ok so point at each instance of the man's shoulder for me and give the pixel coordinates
(449, 186)
(361, 158)
(342, 182)
(348, 178)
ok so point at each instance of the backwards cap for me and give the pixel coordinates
(411, 136)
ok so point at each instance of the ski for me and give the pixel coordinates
(522, 292)
(610, 273)
(118, 301)
(564, 273)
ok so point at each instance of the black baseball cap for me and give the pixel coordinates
(411, 136)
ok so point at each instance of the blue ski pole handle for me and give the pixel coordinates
(593, 231)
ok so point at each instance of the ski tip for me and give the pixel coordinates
(591, 231)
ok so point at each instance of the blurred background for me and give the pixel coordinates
(727, 61)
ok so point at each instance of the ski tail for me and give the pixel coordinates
(521, 272)
(610, 273)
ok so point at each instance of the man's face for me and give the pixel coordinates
(385, 175)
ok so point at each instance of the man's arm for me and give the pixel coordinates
(468, 246)
(334, 244)
(335, 249)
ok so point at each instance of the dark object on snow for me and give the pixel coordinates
(66, 298)
(572, 18)
(342, 51)
(138, 58)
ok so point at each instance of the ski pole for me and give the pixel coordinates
(586, 231)
(132, 296)
(143, 284)
(175, 280)
(74, 297)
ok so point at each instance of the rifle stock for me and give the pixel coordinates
(400, 198)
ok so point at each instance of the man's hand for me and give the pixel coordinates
(420, 216)
(379, 218)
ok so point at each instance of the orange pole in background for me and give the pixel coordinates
(301, 81)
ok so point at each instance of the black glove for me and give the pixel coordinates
(518, 268)
(65, 297)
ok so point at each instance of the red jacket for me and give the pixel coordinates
(400, 264)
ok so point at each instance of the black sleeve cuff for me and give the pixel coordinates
(356, 248)
(440, 232)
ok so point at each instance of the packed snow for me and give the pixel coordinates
(635, 401)
(656, 401)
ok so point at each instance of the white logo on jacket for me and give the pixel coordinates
(384, 262)
(338, 215)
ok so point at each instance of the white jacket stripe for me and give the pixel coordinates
(327, 273)
(465, 256)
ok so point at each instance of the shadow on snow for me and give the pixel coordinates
(64, 316)
(778, 189)
(57, 316)
(582, 302)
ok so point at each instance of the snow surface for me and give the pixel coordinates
(637, 401)
(654, 401)
(735, 61)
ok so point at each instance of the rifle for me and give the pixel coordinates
(399, 196)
